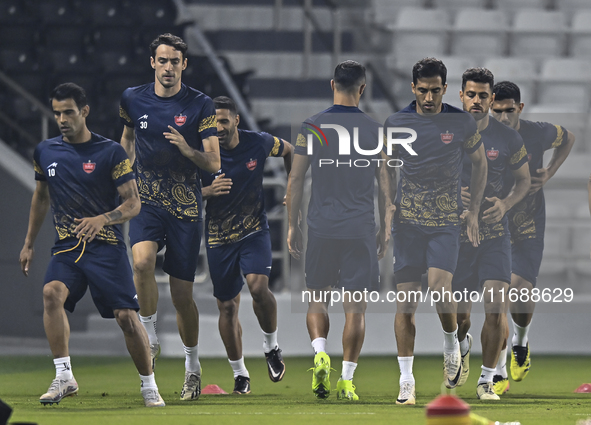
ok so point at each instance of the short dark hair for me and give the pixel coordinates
(507, 90)
(478, 75)
(427, 68)
(170, 40)
(69, 91)
(224, 102)
(349, 75)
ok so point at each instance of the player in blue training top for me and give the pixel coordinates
(170, 131)
(426, 229)
(237, 237)
(488, 266)
(82, 175)
(342, 249)
(527, 220)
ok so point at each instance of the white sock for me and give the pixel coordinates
(192, 359)
(501, 368)
(348, 370)
(63, 368)
(405, 364)
(270, 341)
(520, 335)
(464, 346)
(450, 341)
(149, 323)
(486, 375)
(148, 382)
(319, 345)
(239, 367)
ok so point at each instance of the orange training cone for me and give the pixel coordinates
(212, 389)
(585, 388)
(448, 410)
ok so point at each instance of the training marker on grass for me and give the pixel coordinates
(212, 389)
(448, 410)
(585, 388)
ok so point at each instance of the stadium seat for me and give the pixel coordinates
(105, 12)
(572, 6)
(538, 33)
(520, 71)
(61, 61)
(18, 37)
(512, 5)
(117, 39)
(479, 33)
(386, 11)
(565, 82)
(455, 68)
(419, 33)
(74, 37)
(56, 12)
(459, 4)
(580, 42)
(156, 12)
(15, 12)
(17, 60)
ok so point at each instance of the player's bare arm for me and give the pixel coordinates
(208, 160)
(287, 155)
(295, 193)
(477, 183)
(500, 206)
(221, 185)
(39, 206)
(128, 142)
(88, 227)
(386, 208)
(558, 157)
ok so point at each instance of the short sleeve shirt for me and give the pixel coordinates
(166, 178)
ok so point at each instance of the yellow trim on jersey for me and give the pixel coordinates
(518, 156)
(209, 122)
(121, 169)
(123, 114)
(38, 169)
(301, 141)
(559, 136)
(472, 140)
(276, 147)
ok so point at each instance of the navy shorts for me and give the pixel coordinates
(491, 260)
(351, 264)
(527, 258)
(423, 247)
(103, 268)
(182, 239)
(252, 255)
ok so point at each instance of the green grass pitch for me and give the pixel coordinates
(109, 393)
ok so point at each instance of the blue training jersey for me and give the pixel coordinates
(342, 199)
(429, 186)
(166, 178)
(230, 218)
(505, 152)
(82, 180)
(527, 219)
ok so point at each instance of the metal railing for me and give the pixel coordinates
(46, 114)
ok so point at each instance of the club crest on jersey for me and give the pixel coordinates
(528, 157)
(447, 137)
(492, 154)
(180, 119)
(252, 164)
(88, 167)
